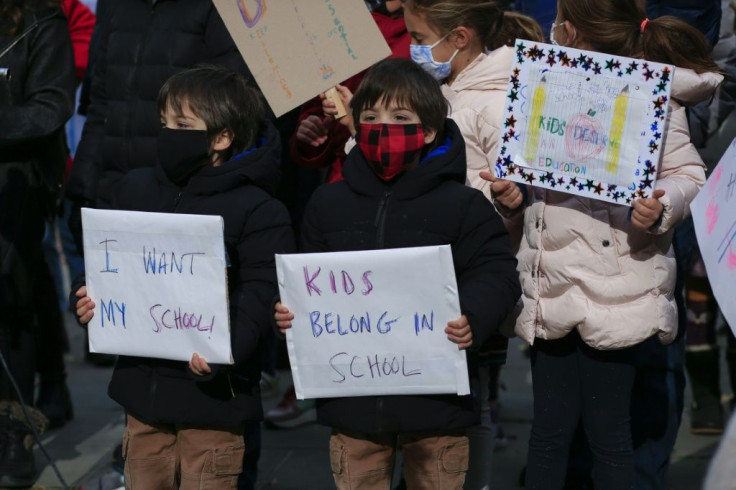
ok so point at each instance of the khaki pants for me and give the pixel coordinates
(432, 460)
(160, 457)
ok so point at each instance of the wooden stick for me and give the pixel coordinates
(332, 95)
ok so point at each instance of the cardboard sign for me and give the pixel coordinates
(372, 323)
(714, 215)
(159, 285)
(585, 123)
(297, 49)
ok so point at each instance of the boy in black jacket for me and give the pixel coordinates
(217, 156)
(405, 187)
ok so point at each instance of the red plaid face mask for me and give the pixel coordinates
(390, 148)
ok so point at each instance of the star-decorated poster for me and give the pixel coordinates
(583, 122)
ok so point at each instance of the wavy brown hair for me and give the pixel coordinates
(482, 16)
(614, 27)
(12, 13)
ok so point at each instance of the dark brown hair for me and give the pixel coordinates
(614, 27)
(406, 83)
(220, 97)
(12, 13)
(482, 16)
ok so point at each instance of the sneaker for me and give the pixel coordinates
(269, 385)
(290, 412)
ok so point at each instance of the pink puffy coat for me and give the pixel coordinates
(581, 263)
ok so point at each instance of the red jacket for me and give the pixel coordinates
(332, 152)
(81, 23)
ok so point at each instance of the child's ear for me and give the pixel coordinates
(223, 140)
(460, 37)
(429, 135)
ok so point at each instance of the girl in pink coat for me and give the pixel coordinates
(598, 278)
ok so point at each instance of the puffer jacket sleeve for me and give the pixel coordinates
(488, 283)
(49, 87)
(85, 174)
(681, 174)
(267, 232)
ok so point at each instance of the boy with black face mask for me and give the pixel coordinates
(217, 156)
(405, 187)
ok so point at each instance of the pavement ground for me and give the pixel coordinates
(297, 459)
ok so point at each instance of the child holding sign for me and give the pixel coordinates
(404, 187)
(217, 156)
(598, 278)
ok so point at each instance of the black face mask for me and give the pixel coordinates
(182, 152)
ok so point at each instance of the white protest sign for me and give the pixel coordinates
(714, 215)
(297, 49)
(584, 123)
(372, 322)
(159, 285)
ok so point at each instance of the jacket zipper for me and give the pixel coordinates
(380, 222)
(176, 201)
(232, 392)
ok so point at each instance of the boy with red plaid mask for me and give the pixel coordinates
(405, 187)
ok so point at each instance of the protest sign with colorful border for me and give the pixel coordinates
(566, 106)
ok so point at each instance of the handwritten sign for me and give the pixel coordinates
(584, 123)
(372, 323)
(297, 49)
(159, 286)
(714, 215)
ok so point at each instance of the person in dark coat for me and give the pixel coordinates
(217, 156)
(138, 45)
(36, 99)
(411, 196)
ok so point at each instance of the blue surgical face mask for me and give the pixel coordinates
(422, 55)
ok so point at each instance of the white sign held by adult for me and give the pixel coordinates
(372, 322)
(159, 285)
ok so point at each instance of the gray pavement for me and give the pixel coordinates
(297, 459)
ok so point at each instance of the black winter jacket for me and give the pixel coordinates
(36, 99)
(139, 45)
(704, 15)
(429, 205)
(256, 227)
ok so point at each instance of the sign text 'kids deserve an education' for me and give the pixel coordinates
(584, 123)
